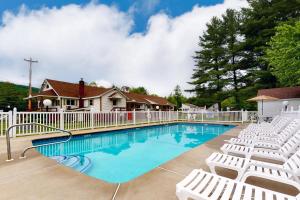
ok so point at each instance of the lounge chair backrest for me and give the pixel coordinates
(293, 163)
(280, 125)
(275, 120)
(290, 129)
(291, 145)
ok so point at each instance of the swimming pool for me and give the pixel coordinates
(120, 156)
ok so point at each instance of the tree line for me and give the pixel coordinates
(243, 51)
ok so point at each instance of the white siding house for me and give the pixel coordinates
(271, 108)
(79, 96)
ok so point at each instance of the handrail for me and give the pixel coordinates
(34, 146)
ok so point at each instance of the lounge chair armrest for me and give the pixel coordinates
(270, 166)
(270, 150)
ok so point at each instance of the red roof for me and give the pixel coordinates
(45, 93)
(281, 93)
(72, 89)
(148, 99)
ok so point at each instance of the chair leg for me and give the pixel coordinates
(212, 168)
(182, 196)
(241, 176)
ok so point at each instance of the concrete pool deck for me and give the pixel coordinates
(38, 177)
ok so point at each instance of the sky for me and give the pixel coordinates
(146, 43)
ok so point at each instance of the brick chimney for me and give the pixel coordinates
(81, 93)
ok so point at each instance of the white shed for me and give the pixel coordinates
(270, 108)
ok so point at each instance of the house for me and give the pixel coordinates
(288, 95)
(79, 96)
(191, 107)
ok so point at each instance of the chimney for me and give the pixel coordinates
(81, 93)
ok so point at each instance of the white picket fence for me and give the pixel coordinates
(94, 120)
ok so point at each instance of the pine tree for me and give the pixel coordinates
(207, 78)
(259, 22)
(236, 74)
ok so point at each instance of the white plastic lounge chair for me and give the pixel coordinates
(201, 185)
(266, 131)
(274, 121)
(286, 173)
(274, 142)
(282, 154)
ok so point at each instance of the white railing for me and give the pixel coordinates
(5, 122)
(94, 120)
(210, 116)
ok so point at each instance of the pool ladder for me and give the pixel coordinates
(9, 158)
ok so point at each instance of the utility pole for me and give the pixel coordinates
(29, 107)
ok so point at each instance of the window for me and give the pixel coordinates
(114, 102)
(56, 103)
(91, 102)
(71, 102)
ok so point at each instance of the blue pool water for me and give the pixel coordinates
(119, 156)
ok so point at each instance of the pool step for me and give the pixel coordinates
(84, 164)
(78, 162)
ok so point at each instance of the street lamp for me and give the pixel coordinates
(47, 103)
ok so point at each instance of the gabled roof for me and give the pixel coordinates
(46, 93)
(281, 93)
(147, 99)
(71, 89)
(135, 97)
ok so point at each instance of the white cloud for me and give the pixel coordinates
(103, 83)
(94, 42)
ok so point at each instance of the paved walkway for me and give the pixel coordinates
(38, 177)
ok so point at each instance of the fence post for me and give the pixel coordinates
(148, 115)
(92, 118)
(134, 117)
(61, 119)
(202, 115)
(116, 118)
(159, 116)
(243, 116)
(188, 115)
(177, 115)
(14, 121)
(169, 115)
(10, 122)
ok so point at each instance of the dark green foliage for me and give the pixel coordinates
(177, 97)
(13, 95)
(138, 90)
(284, 54)
(259, 23)
(240, 40)
(210, 64)
(237, 75)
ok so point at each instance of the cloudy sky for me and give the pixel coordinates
(146, 43)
